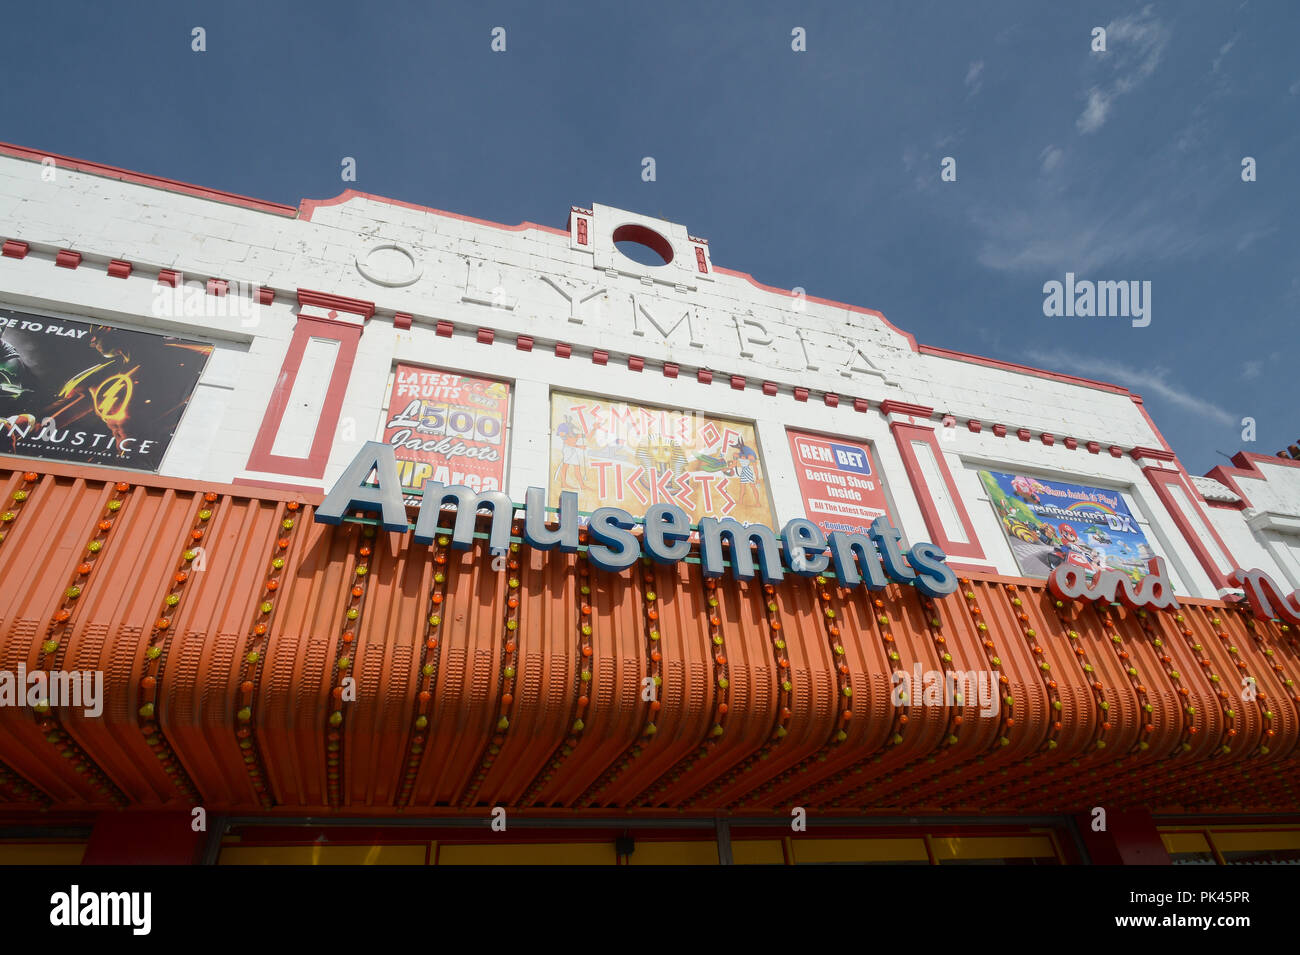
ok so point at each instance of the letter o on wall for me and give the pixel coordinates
(390, 265)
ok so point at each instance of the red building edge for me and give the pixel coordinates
(227, 624)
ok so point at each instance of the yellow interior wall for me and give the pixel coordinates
(675, 853)
(992, 847)
(537, 853)
(32, 853)
(859, 850)
(323, 855)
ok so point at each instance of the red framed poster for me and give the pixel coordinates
(448, 428)
(838, 480)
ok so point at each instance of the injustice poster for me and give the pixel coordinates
(839, 483)
(92, 394)
(631, 456)
(447, 428)
(1048, 523)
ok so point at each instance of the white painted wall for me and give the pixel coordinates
(533, 282)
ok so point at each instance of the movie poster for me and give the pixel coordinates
(1049, 523)
(447, 428)
(92, 394)
(838, 481)
(624, 455)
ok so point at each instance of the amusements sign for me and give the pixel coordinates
(447, 428)
(839, 482)
(92, 394)
(630, 456)
(1049, 523)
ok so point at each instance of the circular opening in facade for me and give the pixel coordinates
(643, 246)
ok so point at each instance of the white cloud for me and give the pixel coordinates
(1223, 51)
(1093, 116)
(973, 81)
(1051, 158)
(1252, 369)
(1054, 233)
(1134, 47)
(1145, 381)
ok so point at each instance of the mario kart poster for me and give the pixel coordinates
(1048, 523)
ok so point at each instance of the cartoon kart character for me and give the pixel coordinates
(1097, 535)
(1025, 488)
(1067, 547)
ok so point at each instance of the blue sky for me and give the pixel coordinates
(818, 169)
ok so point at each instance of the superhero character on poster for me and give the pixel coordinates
(92, 394)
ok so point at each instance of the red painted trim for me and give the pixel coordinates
(562, 350)
(635, 363)
(1137, 400)
(218, 287)
(169, 277)
(1022, 369)
(800, 394)
(738, 382)
(336, 303)
(671, 369)
(143, 179)
(67, 259)
(444, 329)
(1158, 454)
(599, 357)
(911, 341)
(971, 568)
(890, 406)
(307, 208)
(974, 427)
(1047, 439)
(1116, 451)
(999, 431)
(704, 376)
(485, 336)
(861, 404)
(524, 343)
(118, 269)
(769, 388)
(904, 435)
(1245, 468)
(402, 321)
(1162, 479)
(13, 249)
(1022, 434)
(1093, 447)
(832, 401)
(312, 466)
(265, 296)
(1071, 443)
